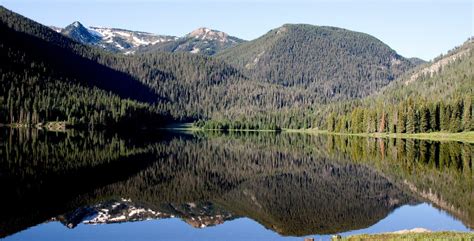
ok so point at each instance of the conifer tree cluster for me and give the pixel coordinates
(410, 116)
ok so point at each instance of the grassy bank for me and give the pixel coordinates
(456, 236)
(437, 136)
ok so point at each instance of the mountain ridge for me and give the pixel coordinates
(116, 40)
(202, 40)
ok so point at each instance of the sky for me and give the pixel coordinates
(414, 28)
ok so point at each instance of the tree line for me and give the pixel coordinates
(410, 116)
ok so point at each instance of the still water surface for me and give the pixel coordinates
(227, 186)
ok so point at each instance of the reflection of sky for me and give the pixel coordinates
(406, 217)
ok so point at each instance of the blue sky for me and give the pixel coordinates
(417, 28)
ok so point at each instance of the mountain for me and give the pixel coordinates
(202, 40)
(112, 39)
(335, 63)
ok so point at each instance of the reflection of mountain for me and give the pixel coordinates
(324, 200)
(292, 184)
(288, 191)
(198, 215)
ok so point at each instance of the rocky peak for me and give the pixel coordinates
(208, 34)
(78, 32)
(77, 24)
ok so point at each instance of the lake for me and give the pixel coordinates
(157, 185)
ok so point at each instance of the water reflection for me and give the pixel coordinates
(292, 184)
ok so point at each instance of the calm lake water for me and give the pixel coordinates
(227, 186)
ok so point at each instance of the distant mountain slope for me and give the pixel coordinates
(445, 77)
(417, 61)
(112, 39)
(333, 62)
(202, 40)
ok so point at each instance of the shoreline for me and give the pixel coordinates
(466, 137)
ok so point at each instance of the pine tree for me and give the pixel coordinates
(445, 115)
(402, 119)
(456, 116)
(411, 121)
(467, 120)
(434, 117)
(424, 119)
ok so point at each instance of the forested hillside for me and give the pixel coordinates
(435, 97)
(44, 81)
(334, 63)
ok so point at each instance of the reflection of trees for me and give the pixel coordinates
(32, 152)
(43, 174)
(440, 172)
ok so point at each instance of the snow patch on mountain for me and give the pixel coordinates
(200, 41)
(133, 38)
(112, 39)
